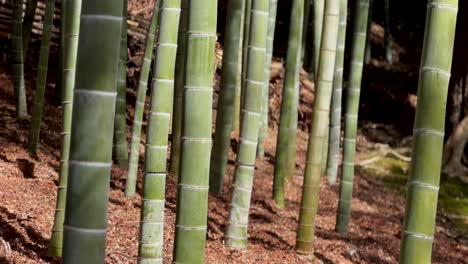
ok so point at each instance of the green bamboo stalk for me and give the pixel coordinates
(387, 34)
(335, 114)
(351, 116)
(179, 92)
(236, 233)
(130, 185)
(18, 63)
(424, 177)
(286, 140)
(192, 194)
(120, 128)
(71, 10)
(154, 182)
(230, 74)
(368, 51)
(318, 10)
(85, 225)
(27, 24)
(318, 130)
(41, 78)
(263, 134)
(239, 96)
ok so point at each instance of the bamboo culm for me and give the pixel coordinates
(192, 192)
(152, 211)
(318, 130)
(318, 9)
(286, 140)
(387, 34)
(120, 127)
(179, 92)
(417, 234)
(368, 50)
(18, 63)
(130, 185)
(28, 24)
(85, 225)
(71, 15)
(351, 116)
(236, 232)
(230, 73)
(263, 134)
(41, 79)
(239, 96)
(335, 113)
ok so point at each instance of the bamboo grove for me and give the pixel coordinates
(177, 132)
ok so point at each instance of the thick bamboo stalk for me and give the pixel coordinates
(368, 51)
(94, 99)
(179, 92)
(286, 140)
(318, 130)
(351, 116)
(28, 23)
(387, 34)
(154, 182)
(263, 134)
(120, 127)
(335, 113)
(130, 185)
(230, 73)
(423, 184)
(192, 194)
(318, 9)
(71, 15)
(236, 232)
(18, 60)
(41, 79)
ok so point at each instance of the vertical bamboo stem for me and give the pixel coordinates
(230, 73)
(318, 130)
(286, 140)
(130, 185)
(236, 232)
(192, 194)
(351, 116)
(417, 233)
(85, 225)
(18, 60)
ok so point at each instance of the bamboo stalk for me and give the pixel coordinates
(230, 74)
(71, 16)
(335, 114)
(41, 79)
(192, 194)
(263, 134)
(351, 117)
(130, 185)
(179, 92)
(95, 94)
(286, 140)
(28, 23)
(318, 130)
(120, 127)
(154, 182)
(318, 9)
(368, 50)
(18, 61)
(387, 34)
(417, 233)
(236, 232)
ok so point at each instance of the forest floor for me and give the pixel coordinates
(28, 199)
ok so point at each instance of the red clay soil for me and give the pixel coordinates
(27, 204)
